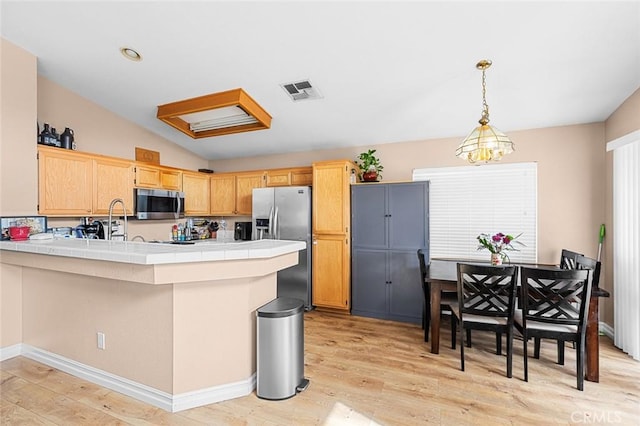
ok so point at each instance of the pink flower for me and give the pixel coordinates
(507, 239)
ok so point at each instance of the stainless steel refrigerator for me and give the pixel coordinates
(284, 213)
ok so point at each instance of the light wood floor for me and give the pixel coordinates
(362, 372)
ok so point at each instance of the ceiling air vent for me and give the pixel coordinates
(301, 90)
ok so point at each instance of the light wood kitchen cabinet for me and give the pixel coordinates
(331, 235)
(331, 272)
(298, 176)
(232, 193)
(148, 176)
(197, 198)
(331, 197)
(65, 182)
(245, 182)
(223, 194)
(112, 179)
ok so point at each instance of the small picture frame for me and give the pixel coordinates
(37, 224)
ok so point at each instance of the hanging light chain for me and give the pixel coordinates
(483, 65)
(485, 108)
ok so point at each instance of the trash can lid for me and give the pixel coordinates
(281, 307)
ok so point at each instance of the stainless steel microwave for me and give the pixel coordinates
(159, 204)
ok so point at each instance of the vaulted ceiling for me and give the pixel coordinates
(386, 71)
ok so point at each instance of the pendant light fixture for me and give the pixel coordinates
(485, 143)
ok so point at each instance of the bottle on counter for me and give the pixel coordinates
(174, 232)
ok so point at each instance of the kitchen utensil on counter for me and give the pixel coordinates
(213, 229)
(242, 231)
(90, 229)
(19, 233)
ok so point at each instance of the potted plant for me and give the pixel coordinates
(370, 167)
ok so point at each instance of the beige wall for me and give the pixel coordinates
(18, 170)
(18, 130)
(624, 120)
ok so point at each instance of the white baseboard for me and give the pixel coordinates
(10, 351)
(144, 393)
(607, 330)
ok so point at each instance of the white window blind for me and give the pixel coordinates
(467, 201)
(626, 246)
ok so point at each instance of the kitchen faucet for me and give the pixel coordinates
(124, 211)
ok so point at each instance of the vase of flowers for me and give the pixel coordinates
(498, 244)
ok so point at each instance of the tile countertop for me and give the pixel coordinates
(153, 254)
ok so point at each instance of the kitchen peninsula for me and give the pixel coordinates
(172, 325)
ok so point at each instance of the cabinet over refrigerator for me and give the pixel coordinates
(284, 213)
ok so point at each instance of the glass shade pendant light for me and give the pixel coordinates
(485, 143)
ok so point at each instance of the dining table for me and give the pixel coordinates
(442, 276)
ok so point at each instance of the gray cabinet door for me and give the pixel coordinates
(369, 289)
(406, 297)
(368, 216)
(407, 215)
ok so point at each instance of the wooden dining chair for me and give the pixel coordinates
(554, 306)
(581, 262)
(568, 259)
(447, 298)
(486, 301)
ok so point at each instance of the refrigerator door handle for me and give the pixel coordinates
(271, 227)
(276, 228)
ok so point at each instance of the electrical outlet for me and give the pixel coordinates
(101, 340)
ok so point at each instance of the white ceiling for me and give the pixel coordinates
(389, 71)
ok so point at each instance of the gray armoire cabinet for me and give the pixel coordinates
(389, 223)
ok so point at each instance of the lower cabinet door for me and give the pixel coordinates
(369, 283)
(406, 297)
(331, 272)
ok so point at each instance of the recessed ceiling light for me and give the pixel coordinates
(130, 54)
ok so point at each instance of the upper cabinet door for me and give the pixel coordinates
(302, 176)
(223, 194)
(197, 199)
(171, 179)
(408, 214)
(112, 179)
(65, 184)
(331, 197)
(369, 216)
(245, 183)
(147, 177)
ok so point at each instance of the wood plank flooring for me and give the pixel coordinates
(362, 372)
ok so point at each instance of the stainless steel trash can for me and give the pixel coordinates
(280, 349)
